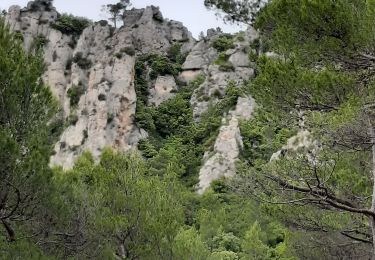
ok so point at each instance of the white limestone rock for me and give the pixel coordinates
(239, 59)
(162, 90)
(222, 161)
(105, 113)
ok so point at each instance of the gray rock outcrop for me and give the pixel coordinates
(162, 90)
(202, 60)
(221, 162)
(98, 65)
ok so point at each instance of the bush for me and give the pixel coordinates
(72, 119)
(253, 55)
(144, 117)
(74, 94)
(102, 23)
(161, 65)
(40, 41)
(224, 64)
(223, 42)
(110, 117)
(175, 55)
(172, 114)
(141, 83)
(226, 67)
(81, 61)
(68, 65)
(70, 24)
(128, 50)
(102, 97)
(18, 36)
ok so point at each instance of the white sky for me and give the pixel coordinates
(191, 12)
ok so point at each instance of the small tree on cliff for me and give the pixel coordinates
(237, 10)
(115, 10)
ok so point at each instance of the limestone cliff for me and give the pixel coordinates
(99, 64)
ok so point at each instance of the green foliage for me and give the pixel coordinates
(189, 245)
(253, 55)
(264, 134)
(40, 41)
(287, 85)
(128, 50)
(223, 42)
(175, 135)
(72, 119)
(141, 83)
(146, 117)
(223, 62)
(70, 24)
(118, 55)
(175, 55)
(74, 93)
(114, 10)
(26, 108)
(234, 227)
(318, 83)
(243, 11)
(161, 65)
(223, 255)
(18, 36)
(226, 242)
(21, 250)
(240, 36)
(172, 114)
(139, 213)
(82, 62)
(317, 28)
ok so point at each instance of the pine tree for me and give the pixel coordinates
(26, 108)
(325, 73)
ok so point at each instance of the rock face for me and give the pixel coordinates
(151, 32)
(221, 161)
(92, 75)
(98, 65)
(201, 60)
(162, 90)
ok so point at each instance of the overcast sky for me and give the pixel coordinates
(191, 12)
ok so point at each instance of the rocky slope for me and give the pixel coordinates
(100, 64)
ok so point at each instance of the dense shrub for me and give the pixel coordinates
(173, 132)
(175, 54)
(118, 55)
(18, 36)
(141, 83)
(81, 61)
(40, 41)
(223, 42)
(128, 50)
(75, 93)
(223, 62)
(102, 23)
(172, 114)
(161, 65)
(70, 24)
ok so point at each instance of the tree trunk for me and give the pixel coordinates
(115, 21)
